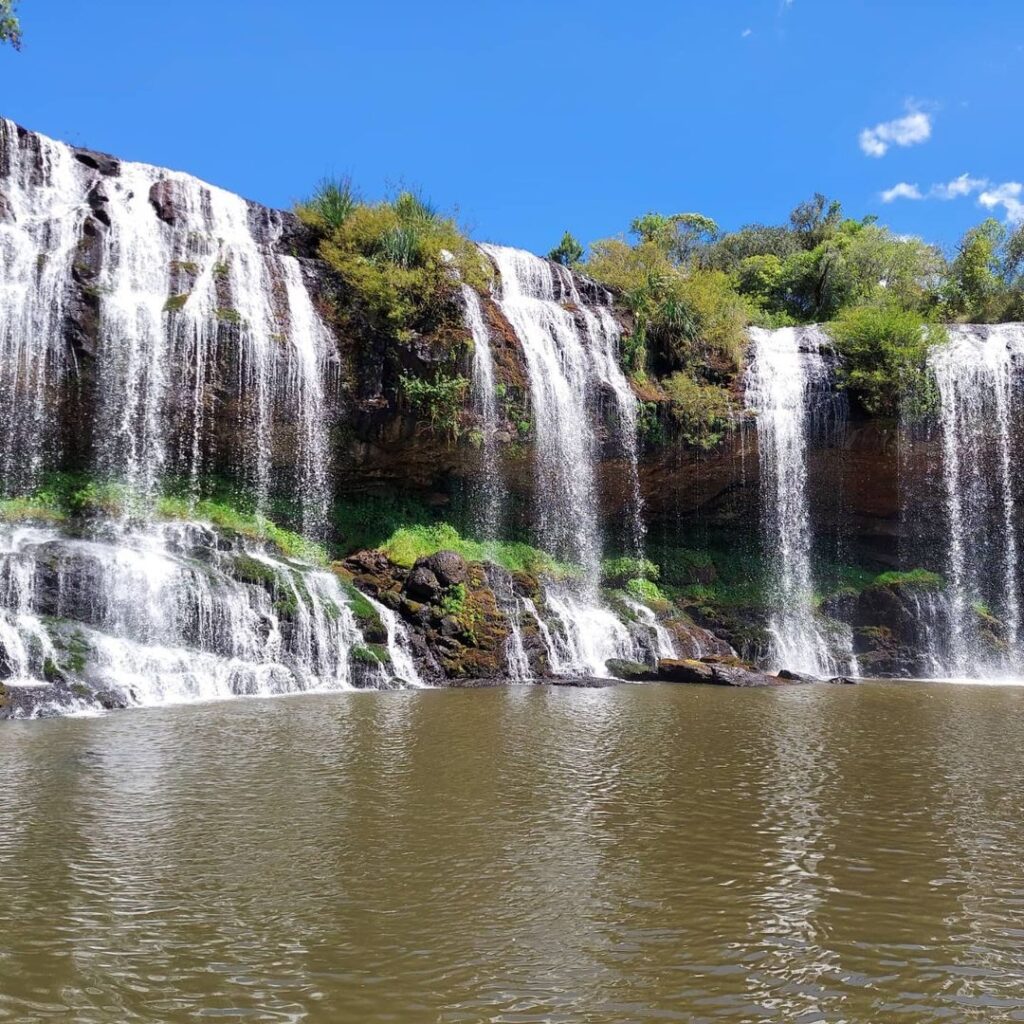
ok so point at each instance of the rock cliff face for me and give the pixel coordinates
(156, 329)
(856, 478)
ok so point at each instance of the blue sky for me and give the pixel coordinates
(534, 117)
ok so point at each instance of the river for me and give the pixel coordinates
(636, 853)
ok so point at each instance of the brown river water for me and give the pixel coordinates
(631, 854)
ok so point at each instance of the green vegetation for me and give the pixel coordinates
(246, 524)
(915, 579)
(371, 654)
(618, 571)
(36, 508)
(885, 363)
(408, 543)
(175, 302)
(647, 591)
(400, 260)
(692, 291)
(10, 26)
(684, 318)
(985, 281)
(438, 401)
(703, 413)
(568, 252)
(454, 600)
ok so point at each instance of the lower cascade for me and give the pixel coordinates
(176, 612)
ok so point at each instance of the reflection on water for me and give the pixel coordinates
(631, 854)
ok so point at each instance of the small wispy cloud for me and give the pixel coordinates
(904, 190)
(1008, 196)
(958, 187)
(746, 33)
(910, 130)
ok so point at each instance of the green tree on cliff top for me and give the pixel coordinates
(10, 27)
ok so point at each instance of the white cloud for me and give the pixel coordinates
(1008, 196)
(914, 128)
(747, 32)
(962, 186)
(904, 190)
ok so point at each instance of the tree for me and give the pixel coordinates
(568, 252)
(977, 274)
(10, 26)
(680, 236)
(816, 220)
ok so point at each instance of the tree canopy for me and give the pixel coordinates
(10, 26)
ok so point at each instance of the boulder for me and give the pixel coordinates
(715, 672)
(632, 671)
(422, 584)
(684, 670)
(794, 677)
(449, 567)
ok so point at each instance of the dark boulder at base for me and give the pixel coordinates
(715, 673)
(632, 671)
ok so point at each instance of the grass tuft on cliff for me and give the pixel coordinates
(409, 543)
(246, 524)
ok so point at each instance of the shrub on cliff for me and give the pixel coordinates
(409, 543)
(400, 259)
(885, 360)
(703, 413)
(684, 316)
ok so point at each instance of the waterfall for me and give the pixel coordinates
(192, 298)
(170, 614)
(42, 207)
(570, 357)
(786, 371)
(662, 645)
(399, 646)
(489, 496)
(977, 377)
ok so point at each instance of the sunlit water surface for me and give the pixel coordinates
(644, 853)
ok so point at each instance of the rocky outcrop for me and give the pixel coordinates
(458, 631)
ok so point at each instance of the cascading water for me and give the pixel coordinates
(182, 270)
(786, 371)
(193, 304)
(977, 374)
(399, 646)
(489, 496)
(169, 614)
(661, 642)
(570, 357)
(41, 212)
